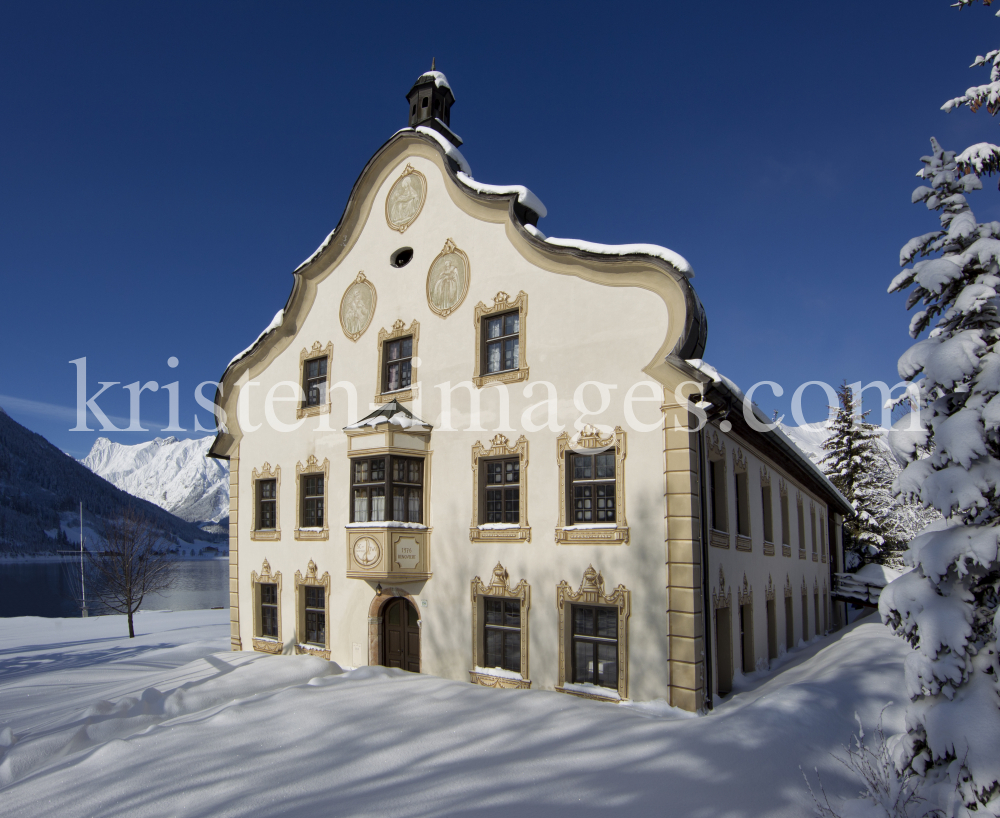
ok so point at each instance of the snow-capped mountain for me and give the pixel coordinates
(174, 474)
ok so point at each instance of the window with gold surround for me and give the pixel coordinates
(593, 638)
(266, 595)
(312, 482)
(500, 632)
(500, 491)
(397, 362)
(741, 474)
(312, 612)
(265, 488)
(501, 329)
(315, 366)
(592, 488)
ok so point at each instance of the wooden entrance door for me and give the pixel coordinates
(401, 636)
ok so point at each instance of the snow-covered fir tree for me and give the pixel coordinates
(947, 606)
(855, 466)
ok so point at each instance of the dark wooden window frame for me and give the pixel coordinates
(311, 398)
(511, 662)
(314, 624)
(264, 501)
(573, 482)
(507, 490)
(313, 512)
(268, 609)
(596, 641)
(486, 342)
(401, 360)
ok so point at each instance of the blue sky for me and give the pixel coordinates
(165, 166)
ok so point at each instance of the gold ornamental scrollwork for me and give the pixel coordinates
(405, 199)
(357, 307)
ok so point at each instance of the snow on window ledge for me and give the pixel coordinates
(589, 526)
(498, 526)
(498, 672)
(386, 524)
(593, 691)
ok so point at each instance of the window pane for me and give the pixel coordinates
(510, 353)
(605, 502)
(583, 662)
(414, 470)
(512, 323)
(494, 611)
(494, 472)
(493, 357)
(269, 621)
(268, 594)
(605, 466)
(494, 647)
(315, 597)
(512, 651)
(607, 622)
(493, 327)
(582, 469)
(607, 665)
(512, 613)
(512, 471)
(416, 512)
(583, 621)
(494, 506)
(399, 504)
(361, 505)
(378, 504)
(378, 470)
(511, 506)
(392, 378)
(268, 489)
(583, 508)
(407, 348)
(361, 471)
(393, 350)
(406, 372)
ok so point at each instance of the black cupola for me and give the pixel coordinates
(430, 101)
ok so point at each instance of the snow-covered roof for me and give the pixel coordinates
(440, 80)
(393, 413)
(778, 436)
(279, 316)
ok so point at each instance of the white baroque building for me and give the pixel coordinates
(465, 449)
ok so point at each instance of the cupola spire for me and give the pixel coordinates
(430, 100)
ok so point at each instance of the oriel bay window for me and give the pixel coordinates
(400, 479)
(502, 633)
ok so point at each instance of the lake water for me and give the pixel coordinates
(48, 588)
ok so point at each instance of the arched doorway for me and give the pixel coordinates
(401, 635)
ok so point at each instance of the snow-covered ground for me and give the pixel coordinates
(172, 724)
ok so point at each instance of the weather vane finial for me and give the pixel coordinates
(432, 63)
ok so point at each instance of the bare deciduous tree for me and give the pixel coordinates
(134, 563)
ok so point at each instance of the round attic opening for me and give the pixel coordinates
(401, 257)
